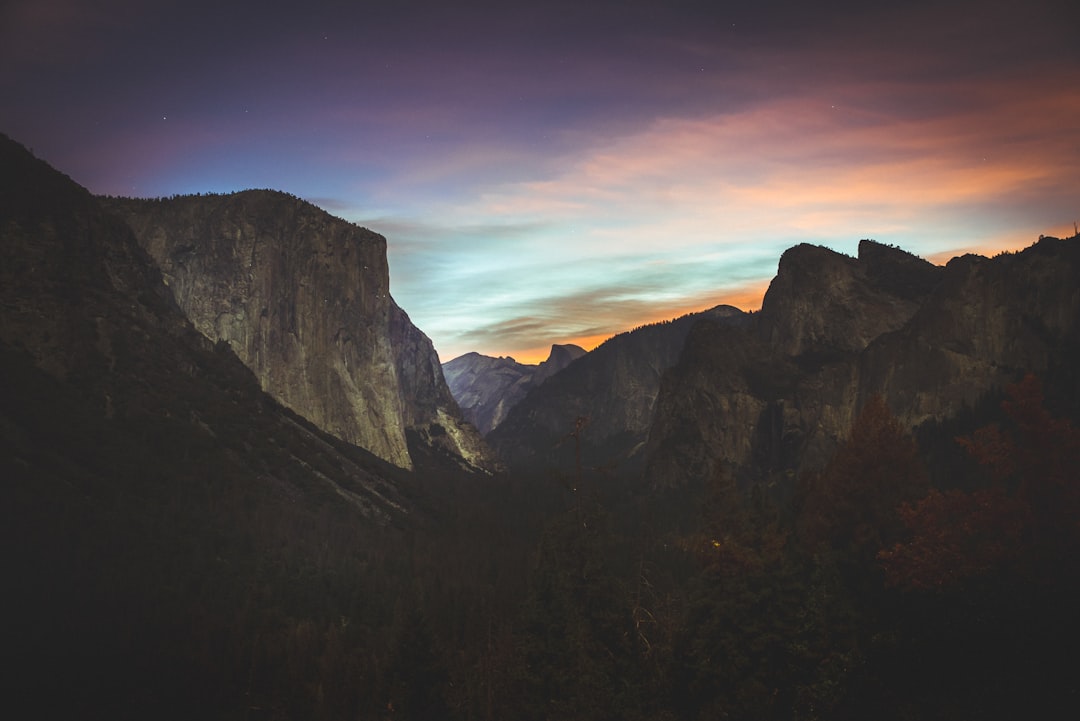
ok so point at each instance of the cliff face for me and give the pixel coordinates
(777, 391)
(303, 299)
(561, 356)
(613, 389)
(825, 303)
(987, 321)
(487, 388)
(112, 397)
(929, 340)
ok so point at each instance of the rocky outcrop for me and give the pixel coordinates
(611, 390)
(561, 355)
(825, 303)
(487, 388)
(303, 300)
(931, 341)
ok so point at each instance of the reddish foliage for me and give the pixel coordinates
(955, 535)
(1027, 521)
(851, 504)
(992, 449)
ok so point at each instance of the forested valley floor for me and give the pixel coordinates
(911, 578)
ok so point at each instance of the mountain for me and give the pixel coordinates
(770, 394)
(161, 513)
(85, 311)
(612, 390)
(178, 544)
(487, 388)
(729, 399)
(303, 300)
(834, 331)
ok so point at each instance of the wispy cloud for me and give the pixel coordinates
(692, 208)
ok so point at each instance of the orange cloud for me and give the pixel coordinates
(811, 168)
(746, 297)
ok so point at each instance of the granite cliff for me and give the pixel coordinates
(303, 300)
(487, 388)
(834, 331)
(823, 303)
(112, 397)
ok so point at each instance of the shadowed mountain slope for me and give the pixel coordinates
(612, 390)
(770, 394)
(160, 511)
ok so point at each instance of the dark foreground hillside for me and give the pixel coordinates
(179, 546)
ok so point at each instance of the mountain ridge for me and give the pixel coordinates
(980, 324)
(183, 545)
(772, 392)
(611, 389)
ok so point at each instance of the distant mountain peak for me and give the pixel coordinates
(559, 357)
(615, 386)
(486, 388)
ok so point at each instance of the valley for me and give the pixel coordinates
(239, 484)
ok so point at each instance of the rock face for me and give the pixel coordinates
(613, 389)
(833, 331)
(303, 300)
(987, 321)
(487, 388)
(111, 396)
(825, 303)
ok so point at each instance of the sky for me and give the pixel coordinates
(554, 172)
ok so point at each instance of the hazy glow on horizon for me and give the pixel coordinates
(560, 174)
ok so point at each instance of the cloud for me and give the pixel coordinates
(655, 222)
(549, 174)
(530, 306)
(799, 167)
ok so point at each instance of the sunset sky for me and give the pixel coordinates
(550, 172)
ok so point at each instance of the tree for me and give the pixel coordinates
(416, 674)
(848, 513)
(576, 637)
(1026, 520)
(985, 583)
(735, 652)
(850, 506)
